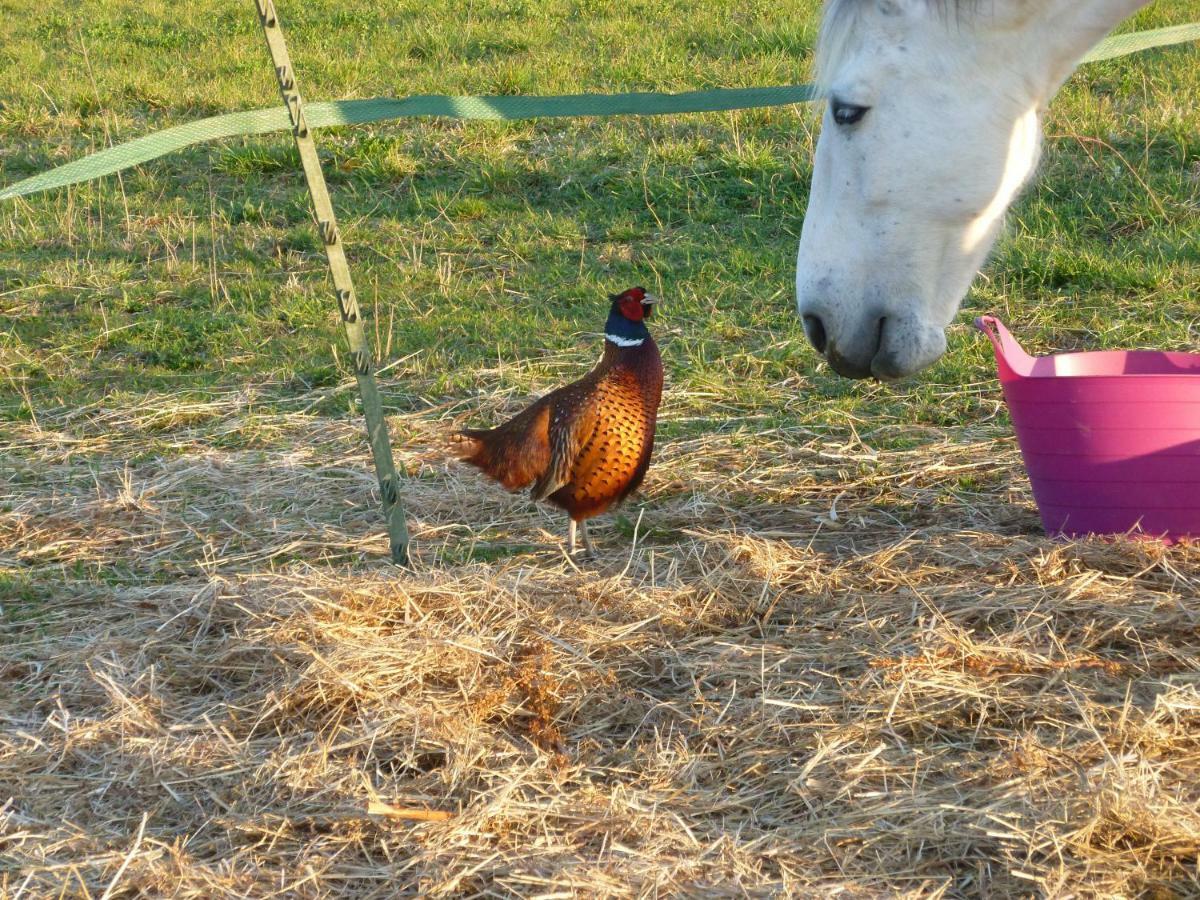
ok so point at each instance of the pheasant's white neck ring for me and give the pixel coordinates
(624, 342)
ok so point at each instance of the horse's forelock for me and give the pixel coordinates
(837, 27)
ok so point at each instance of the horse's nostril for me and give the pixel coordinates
(815, 329)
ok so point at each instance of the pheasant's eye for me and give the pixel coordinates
(847, 113)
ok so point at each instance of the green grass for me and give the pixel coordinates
(481, 243)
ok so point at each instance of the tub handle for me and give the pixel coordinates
(1009, 354)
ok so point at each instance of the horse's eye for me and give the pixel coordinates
(847, 113)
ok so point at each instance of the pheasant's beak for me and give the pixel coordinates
(648, 303)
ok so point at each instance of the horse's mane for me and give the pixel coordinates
(838, 23)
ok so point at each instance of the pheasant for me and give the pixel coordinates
(587, 445)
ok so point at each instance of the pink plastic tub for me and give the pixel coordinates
(1111, 440)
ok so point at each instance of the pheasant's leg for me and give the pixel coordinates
(571, 538)
(587, 544)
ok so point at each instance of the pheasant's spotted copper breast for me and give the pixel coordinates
(614, 458)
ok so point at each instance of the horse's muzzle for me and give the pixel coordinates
(849, 358)
(878, 346)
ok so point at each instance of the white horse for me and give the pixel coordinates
(933, 124)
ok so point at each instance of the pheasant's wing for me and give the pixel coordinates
(573, 421)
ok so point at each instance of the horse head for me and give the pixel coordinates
(931, 127)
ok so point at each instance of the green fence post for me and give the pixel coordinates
(377, 430)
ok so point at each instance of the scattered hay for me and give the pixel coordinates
(821, 670)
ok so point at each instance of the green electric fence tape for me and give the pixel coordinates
(355, 112)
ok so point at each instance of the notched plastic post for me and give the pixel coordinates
(339, 270)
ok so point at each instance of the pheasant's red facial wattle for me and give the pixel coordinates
(635, 304)
(632, 309)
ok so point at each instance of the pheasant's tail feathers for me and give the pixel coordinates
(465, 444)
(514, 454)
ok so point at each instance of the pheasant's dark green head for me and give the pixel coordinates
(626, 325)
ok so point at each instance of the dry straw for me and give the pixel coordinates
(821, 670)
